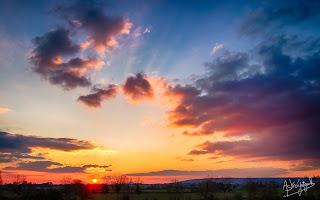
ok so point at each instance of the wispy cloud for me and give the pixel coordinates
(4, 110)
(16, 143)
(216, 48)
(235, 172)
(54, 167)
(147, 30)
(267, 20)
(187, 160)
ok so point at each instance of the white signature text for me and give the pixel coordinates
(301, 186)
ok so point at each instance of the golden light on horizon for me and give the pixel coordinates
(94, 180)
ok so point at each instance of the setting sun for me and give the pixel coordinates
(94, 180)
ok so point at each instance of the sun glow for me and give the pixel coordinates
(94, 180)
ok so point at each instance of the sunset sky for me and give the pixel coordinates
(159, 89)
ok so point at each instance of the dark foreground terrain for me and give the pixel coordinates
(198, 189)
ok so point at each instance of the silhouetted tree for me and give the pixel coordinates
(313, 193)
(76, 190)
(270, 191)
(252, 190)
(138, 189)
(138, 182)
(207, 188)
(105, 189)
(19, 179)
(176, 189)
(119, 183)
(66, 180)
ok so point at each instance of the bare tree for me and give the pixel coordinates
(176, 189)
(119, 183)
(19, 179)
(138, 182)
(66, 180)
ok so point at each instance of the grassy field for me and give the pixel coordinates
(162, 195)
(152, 196)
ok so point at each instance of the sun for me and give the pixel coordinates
(94, 180)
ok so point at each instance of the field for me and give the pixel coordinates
(164, 195)
(156, 196)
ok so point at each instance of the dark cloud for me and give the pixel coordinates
(15, 143)
(10, 157)
(98, 95)
(52, 52)
(231, 67)
(53, 167)
(291, 142)
(137, 87)
(270, 94)
(187, 160)
(90, 17)
(49, 51)
(307, 165)
(267, 19)
(50, 47)
(243, 172)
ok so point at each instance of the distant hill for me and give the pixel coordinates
(240, 181)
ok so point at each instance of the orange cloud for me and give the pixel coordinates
(138, 87)
(4, 110)
(98, 95)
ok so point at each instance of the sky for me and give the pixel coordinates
(159, 90)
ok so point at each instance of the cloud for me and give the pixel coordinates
(268, 19)
(278, 143)
(10, 157)
(235, 172)
(4, 110)
(50, 47)
(47, 60)
(53, 167)
(55, 55)
(137, 87)
(216, 48)
(5, 121)
(307, 165)
(16, 143)
(99, 95)
(187, 160)
(90, 17)
(269, 94)
(147, 30)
